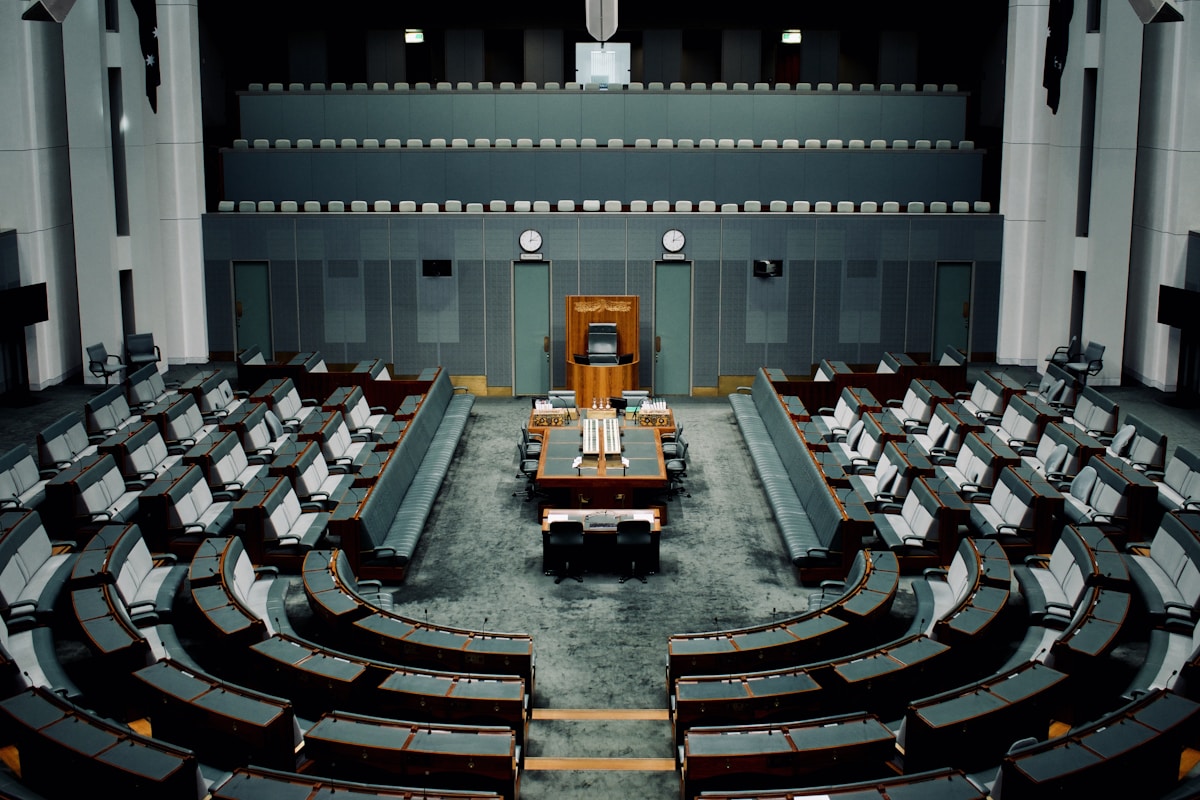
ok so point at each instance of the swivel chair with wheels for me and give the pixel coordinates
(102, 363)
(562, 548)
(676, 472)
(635, 547)
(527, 466)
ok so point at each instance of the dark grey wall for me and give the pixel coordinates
(629, 114)
(853, 286)
(723, 175)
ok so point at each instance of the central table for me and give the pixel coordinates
(604, 483)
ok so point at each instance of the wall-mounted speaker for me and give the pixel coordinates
(1155, 11)
(435, 268)
(768, 268)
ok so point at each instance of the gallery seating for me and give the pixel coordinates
(312, 480)
(21, 484)
(229, 594)
(225, 724)
(363, 420)
(1094, 414)
(251, 782)
(1021, 424)
(1009, 513)
(363, 626)
(852, 746)
(34, 571)
(1145, 448)
(1166, 570)
(215, 397)
(276, 526)
(261, 433)
(143, 455)
(145, 387)
(1133, 751)
(357, 746)
(1061, 452)
(64, 442)
(180, 422)
(974, 725)
(225, 464)
(888, 481)
(915, 409)
(977, 465)
(988, 397)
(108, 412)
(66, 749)
(90, 494)
(971, 594)
(943, 783)
(1178, 484)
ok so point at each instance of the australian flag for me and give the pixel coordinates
(147, 13)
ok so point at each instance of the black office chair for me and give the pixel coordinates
(635, 547)
(673, 444)
(102, 363)
(533, 441)
(527, 467)
(563, 547)
(676, 472)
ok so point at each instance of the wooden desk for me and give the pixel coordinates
(599, 380)
(601, 485)
(599, 532)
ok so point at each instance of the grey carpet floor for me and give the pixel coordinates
(600, 643)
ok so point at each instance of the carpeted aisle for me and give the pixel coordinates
(600, 644)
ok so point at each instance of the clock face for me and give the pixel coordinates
(531, 240)
(673, 240)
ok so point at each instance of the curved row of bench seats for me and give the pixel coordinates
(704, 143)
(381, 536)
(849, 614)
(653, 86)
(821, 534)
(611, 206)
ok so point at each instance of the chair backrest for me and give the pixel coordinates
(602, 342)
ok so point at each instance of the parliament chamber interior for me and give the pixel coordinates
(758, 402)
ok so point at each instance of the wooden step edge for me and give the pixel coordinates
(549, 764)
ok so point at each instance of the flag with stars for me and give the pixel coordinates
(147, 13)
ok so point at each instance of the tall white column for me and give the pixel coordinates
(1166, 203)
(181, 178)
(35, 174)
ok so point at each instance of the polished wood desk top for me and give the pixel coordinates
(641, 448)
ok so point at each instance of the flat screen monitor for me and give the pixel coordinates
(435, 268)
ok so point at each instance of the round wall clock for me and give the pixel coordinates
(530, 241)
(673, 240)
